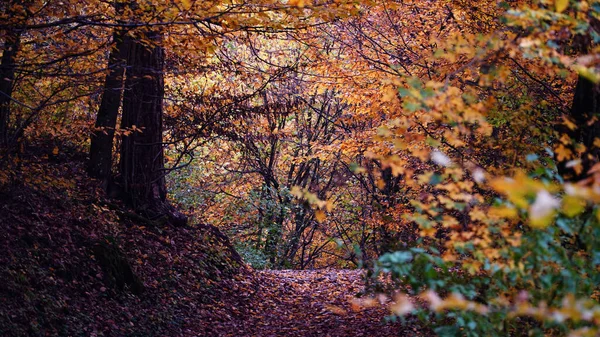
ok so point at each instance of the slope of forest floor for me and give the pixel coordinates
(75, 263)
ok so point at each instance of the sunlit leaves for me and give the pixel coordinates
(587, 73)
(541, 212)
(299, 3)
(561, 5)
(312, 199)
(572, 206)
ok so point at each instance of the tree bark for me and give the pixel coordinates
(141, 166)
(7, 77)
(102, 138)
(585, 110)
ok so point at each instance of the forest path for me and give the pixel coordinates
(312, 303)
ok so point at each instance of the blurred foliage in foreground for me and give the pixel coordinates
(510, 252)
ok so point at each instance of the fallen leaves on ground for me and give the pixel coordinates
(51, 283)
(312, 303)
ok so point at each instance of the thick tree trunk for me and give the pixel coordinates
(142, 160)
(7, 77)
(102, 138)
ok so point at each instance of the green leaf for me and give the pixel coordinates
(436, 179)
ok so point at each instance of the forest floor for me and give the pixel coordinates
(313, 303)
(74, 263)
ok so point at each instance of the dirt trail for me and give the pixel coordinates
(310, 303)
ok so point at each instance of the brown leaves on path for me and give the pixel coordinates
(311, 303)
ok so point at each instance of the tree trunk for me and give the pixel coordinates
(584, 112)
(102, 138)
(142, 160)
(7, 77)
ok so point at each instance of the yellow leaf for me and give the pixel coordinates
(477, 214)
(563, 153)
(55, 151)
(587, 73)
(503, 212)
(541, 222)
(571, 206)
(570, 125)
(389, 94)
(320, 216)
(449, 222)
(187, 4)
(428, 231)
(424, 178)
(541, 212)
(561, 5)
(297, 192)
(380, 184)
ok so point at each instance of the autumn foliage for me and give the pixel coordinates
(450, 148)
